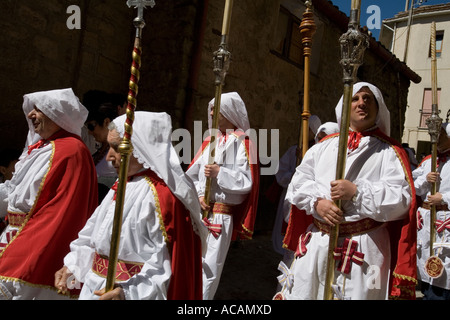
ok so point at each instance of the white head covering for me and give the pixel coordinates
(328, 128)
(233, 108)
(383, 120)
(314, 123)
(152, 147)
(61, 106)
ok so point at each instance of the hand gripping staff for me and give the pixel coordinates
(353, 44)
(125, 147)
(433, 265)
(221, 66)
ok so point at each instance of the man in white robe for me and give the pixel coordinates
(234, 188)
(162, 233)
(48, 200)
(326, 129)
(438, 287)
(376, 191)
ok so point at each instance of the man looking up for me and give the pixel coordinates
(376, 218)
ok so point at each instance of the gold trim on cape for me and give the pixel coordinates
(29, 214)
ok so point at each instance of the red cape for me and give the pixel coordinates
(403, 233)
(67, 198)
(184, 245)
(245, 214)
(424, 159)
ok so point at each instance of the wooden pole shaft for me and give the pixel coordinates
(434, 140)
(307, 30)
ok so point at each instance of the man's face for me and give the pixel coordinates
(223, 122)
(321, 135)
(98, 131)
(43, 126)
(364, 110)
(114, 155)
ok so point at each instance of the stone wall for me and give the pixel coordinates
(39, 52)
(270, 86)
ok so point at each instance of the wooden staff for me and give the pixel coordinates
(125, 147)
(353, 44)
(221, 66)
(434, 123)
(307, 30)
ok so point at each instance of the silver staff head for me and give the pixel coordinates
(140, 5)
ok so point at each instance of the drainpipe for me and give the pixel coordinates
(411, 8)
(394, 35)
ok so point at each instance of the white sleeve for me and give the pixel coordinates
(4, 199)
(303, 191)
(193, 174)
(236, 179)
(443, 186)
(384, 194)
(420, 178)
(385, 197)
(79, 259)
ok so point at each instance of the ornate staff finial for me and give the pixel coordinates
(222, 57)
(353, 44)
(140, 5)
(139, 23)
(307, 28)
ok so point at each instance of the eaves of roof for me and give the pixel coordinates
(423, 11)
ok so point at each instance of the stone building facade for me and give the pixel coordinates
(414, 48)
(39, 52)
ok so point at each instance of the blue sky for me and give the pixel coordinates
(387, 9)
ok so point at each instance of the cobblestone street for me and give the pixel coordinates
(250, 271)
